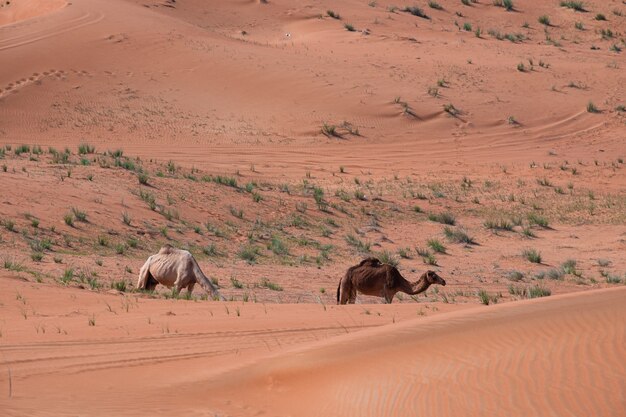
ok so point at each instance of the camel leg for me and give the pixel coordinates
(345, 289)
(352, 297)
(190, 288)
(178, 286)
(388, 294)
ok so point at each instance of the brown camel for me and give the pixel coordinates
(174, 268)
(370, 277)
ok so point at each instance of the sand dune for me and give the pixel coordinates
(546, 357)
(539, 357)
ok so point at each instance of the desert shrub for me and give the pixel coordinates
(444, 218)
(569, 266)
(591, 108)
(532, 255)
(544, 20)
(483, 296)
(85, 148)
(458, 236)
(142, 177)
(434, 5)
(388, 258)
(68, 276)
(249, 253)
(537, 291)
(333, 14)
(554, 274)
(416, 11)
(515, 276)
(498, 224)
(358, 244)
(119, 285)
(436, 245)
(277, 246)
(80, 215)
(266, 283)
(210, 250)
(536, 219)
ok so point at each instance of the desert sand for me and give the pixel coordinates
(281, 142)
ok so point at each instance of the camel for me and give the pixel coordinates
(174, 268)
(370, 277)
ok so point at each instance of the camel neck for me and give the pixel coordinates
(420, 285)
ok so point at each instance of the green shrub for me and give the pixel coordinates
(333, 14)
(436, 245)
(444, 218)
(388, 258)
(532, 255)
(416, 11)
(266, 283)
(85, 148)
(434, 5)
(80, 215)
(591, 108)
(483, 296)
(277, 246)
(458, 236)
(537, 291)
(249, 253)
(358, 244)
(575, 5)
(142, 177)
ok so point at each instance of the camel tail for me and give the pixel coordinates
(347, 279)
(206, 283)
(144, 275)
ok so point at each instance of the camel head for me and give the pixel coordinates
(433, 278)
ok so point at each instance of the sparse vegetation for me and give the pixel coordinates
(416, 11)
(266, 283)
(249, 253)
(358, 244)
(538, 220)
(458, 235)
(332, 14)
(532, 255)
(436, 245)
(80, 215)
(388, 258)
(498, 224)
(591, 108)
(575, 5)
(544, 20)
(434, 5)
(483, 296)
(444, 218)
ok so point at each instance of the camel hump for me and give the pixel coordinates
(370, 262)
(166, 249)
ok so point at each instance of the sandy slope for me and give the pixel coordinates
(544, 357)
(540, 357)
